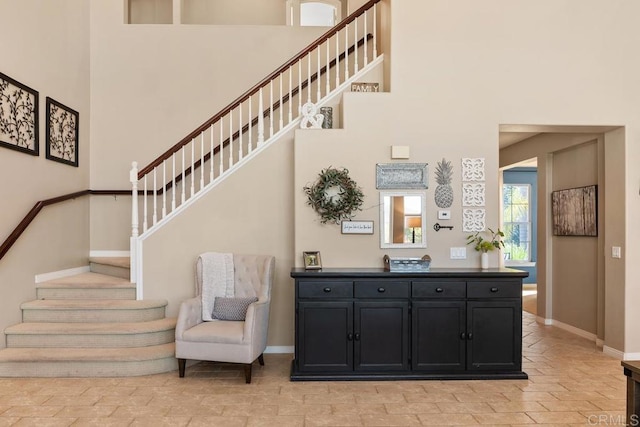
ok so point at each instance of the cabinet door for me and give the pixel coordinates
(381, 335)
(325, 336)
(494, 341)
(439, 338)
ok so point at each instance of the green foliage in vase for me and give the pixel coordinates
(480, 244)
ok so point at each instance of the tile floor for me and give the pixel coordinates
(570, 383)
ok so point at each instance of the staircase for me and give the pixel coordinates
(90, 325)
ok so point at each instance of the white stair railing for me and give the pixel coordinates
(252, 121)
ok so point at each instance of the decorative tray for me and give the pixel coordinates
(395, 264)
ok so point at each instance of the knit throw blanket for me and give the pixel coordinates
(217, 280)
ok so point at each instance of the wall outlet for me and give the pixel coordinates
(458, 253)
(444, 214)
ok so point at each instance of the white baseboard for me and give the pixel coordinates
(574, 330)
(631, 356)
(60, 274)
(108, 254)
(279, 349)
(599, 343)
(609, 351)
(547, 322)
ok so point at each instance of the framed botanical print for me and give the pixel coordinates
(18, 116)
(62, 133)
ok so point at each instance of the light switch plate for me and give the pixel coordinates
(444, 214)
(616, 252)
(458, 253)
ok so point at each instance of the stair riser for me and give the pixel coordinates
(90, 341)
(87, 368)
(110, 270)
(92, 316)
(86, 293)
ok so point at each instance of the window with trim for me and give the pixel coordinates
(516, 221)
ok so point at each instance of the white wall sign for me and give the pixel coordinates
(357, 227)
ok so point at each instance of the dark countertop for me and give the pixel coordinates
(434, 272)
(632, 365)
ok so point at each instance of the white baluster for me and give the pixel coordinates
(366, 57)
(133, 178)
(145, 223)
(355, 45)
(299, 85)
(375, 31)
(290, 102)
(173, 182)
(155, 196)
(281, 121)
(309, 77)
(201, 160)
(250, 143)
(230, 139)
(240, 155)
(193, 170)
(271, 109)
(337, 60)
(328, 70)
(221, 151)
(164, 189)
(183, 195)
(260, 119)
(346, 52)
(318, 79)
(211, 154)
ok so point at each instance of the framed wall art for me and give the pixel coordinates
(18, 116)
(62, 133)
(401, 176)
(575, 211)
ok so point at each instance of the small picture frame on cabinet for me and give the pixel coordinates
(312, 260)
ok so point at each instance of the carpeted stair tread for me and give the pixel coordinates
(131, 354)
(87, 280)
(89, 304)
(123, 262)
(92, 328)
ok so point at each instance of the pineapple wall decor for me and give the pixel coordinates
(444, 190)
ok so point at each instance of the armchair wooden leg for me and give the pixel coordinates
(182, 363)
(261, 359)
(247, 373)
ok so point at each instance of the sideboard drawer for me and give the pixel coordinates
(501, 289)
(439, 289)
(325, 289)
(381, 289)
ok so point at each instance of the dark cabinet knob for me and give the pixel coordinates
(381, 290)
(327, 289)
(439, 290)
(463, 336)
(469, 336)
(494, 290)
(356, 336)
(349, 336)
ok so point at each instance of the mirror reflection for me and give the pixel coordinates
(402, 219)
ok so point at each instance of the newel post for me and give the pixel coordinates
(133, 178)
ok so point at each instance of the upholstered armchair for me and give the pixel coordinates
(234, 341)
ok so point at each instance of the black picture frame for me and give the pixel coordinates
(575, 211)
(19, 129)
(62, 133)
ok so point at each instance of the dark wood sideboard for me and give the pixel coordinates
(371, 324)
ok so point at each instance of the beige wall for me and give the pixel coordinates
(45, 45)
(234, 12)
(250, 212)
(575, 259)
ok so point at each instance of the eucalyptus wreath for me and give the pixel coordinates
(334, 208)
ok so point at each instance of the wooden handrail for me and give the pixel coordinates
(167, 154)
(31, 215)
